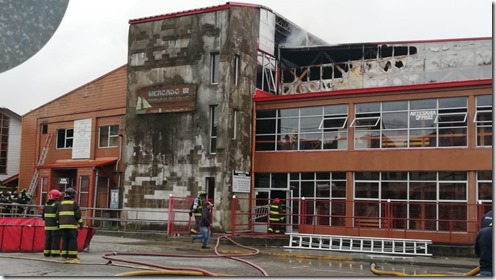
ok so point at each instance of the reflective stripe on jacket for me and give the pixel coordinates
(49, 215)
(69, 215)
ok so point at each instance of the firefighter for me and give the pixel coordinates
(69, 217)
(196, 211)
(484, 250)
(5, 200)
(49, 215)
(276, 217)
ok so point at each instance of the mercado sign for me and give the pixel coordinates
(176, 98)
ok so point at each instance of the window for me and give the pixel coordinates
(108, 136)
(413, 198)
(213, 129)
(4, 142)
(365, 121)
(333, 123)
(411, 124)
(307, 128)
(44, 190)
(237, 68)
(44, 128)
(214, 68)
(84, 186)
(234, 124)
(483, 120)
(325, 194)
(65, 138)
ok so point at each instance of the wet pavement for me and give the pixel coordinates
(114, 255)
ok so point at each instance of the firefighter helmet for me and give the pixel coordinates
(276, 200)
(70, 193)
(204, 194)
(54, 194)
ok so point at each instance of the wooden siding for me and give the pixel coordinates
(101, 99)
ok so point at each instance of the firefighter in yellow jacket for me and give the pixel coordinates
(49, 215)
(276, 217)
(69, 217)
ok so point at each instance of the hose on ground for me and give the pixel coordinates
(184, 271)
(374, 269)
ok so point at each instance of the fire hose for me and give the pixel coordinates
(181, 271)
(376, 270)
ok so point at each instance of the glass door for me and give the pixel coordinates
(261, 211)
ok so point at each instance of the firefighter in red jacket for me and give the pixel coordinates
(49, 215)
(69, 217)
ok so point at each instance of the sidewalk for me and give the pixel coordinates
(272, 247)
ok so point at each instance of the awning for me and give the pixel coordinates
(78, 163)
(10, 179)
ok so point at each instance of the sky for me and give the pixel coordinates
(92, 38)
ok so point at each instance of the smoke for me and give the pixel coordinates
(297, 38)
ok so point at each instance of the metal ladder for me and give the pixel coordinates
(34, 180)
(359, 244)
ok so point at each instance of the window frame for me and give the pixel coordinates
(214, 68)
(109, 136)
(66, 138)
(440, 121)
(353, 123)
(482, 122)
(321, 126)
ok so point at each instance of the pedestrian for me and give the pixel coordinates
(205, 225)
(69, 217)
(276, 217)
(49, 216)
(486, 219)
(484, 250)
(196, 211)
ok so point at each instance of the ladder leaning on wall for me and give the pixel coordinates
(34, 180)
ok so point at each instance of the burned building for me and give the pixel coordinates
(340, 130)
(191, 77)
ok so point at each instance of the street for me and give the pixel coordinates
(181, 257)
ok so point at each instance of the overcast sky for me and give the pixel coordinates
(92, 38)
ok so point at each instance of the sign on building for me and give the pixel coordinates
(241, 181)
(177, 98)
(81, 147)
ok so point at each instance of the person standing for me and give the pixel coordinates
(205, 225)
(487, 219)
(69, 216)
(484, 250)
(276, 217)
(49, 215)
(196, 211)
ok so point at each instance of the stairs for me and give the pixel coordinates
(359, 244)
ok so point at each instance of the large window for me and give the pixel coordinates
(308, 128)
(483, 120)
(65, 138)
(411, 124)
(4, 142)
(411, 199)
(324, 193)
(108, 136)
